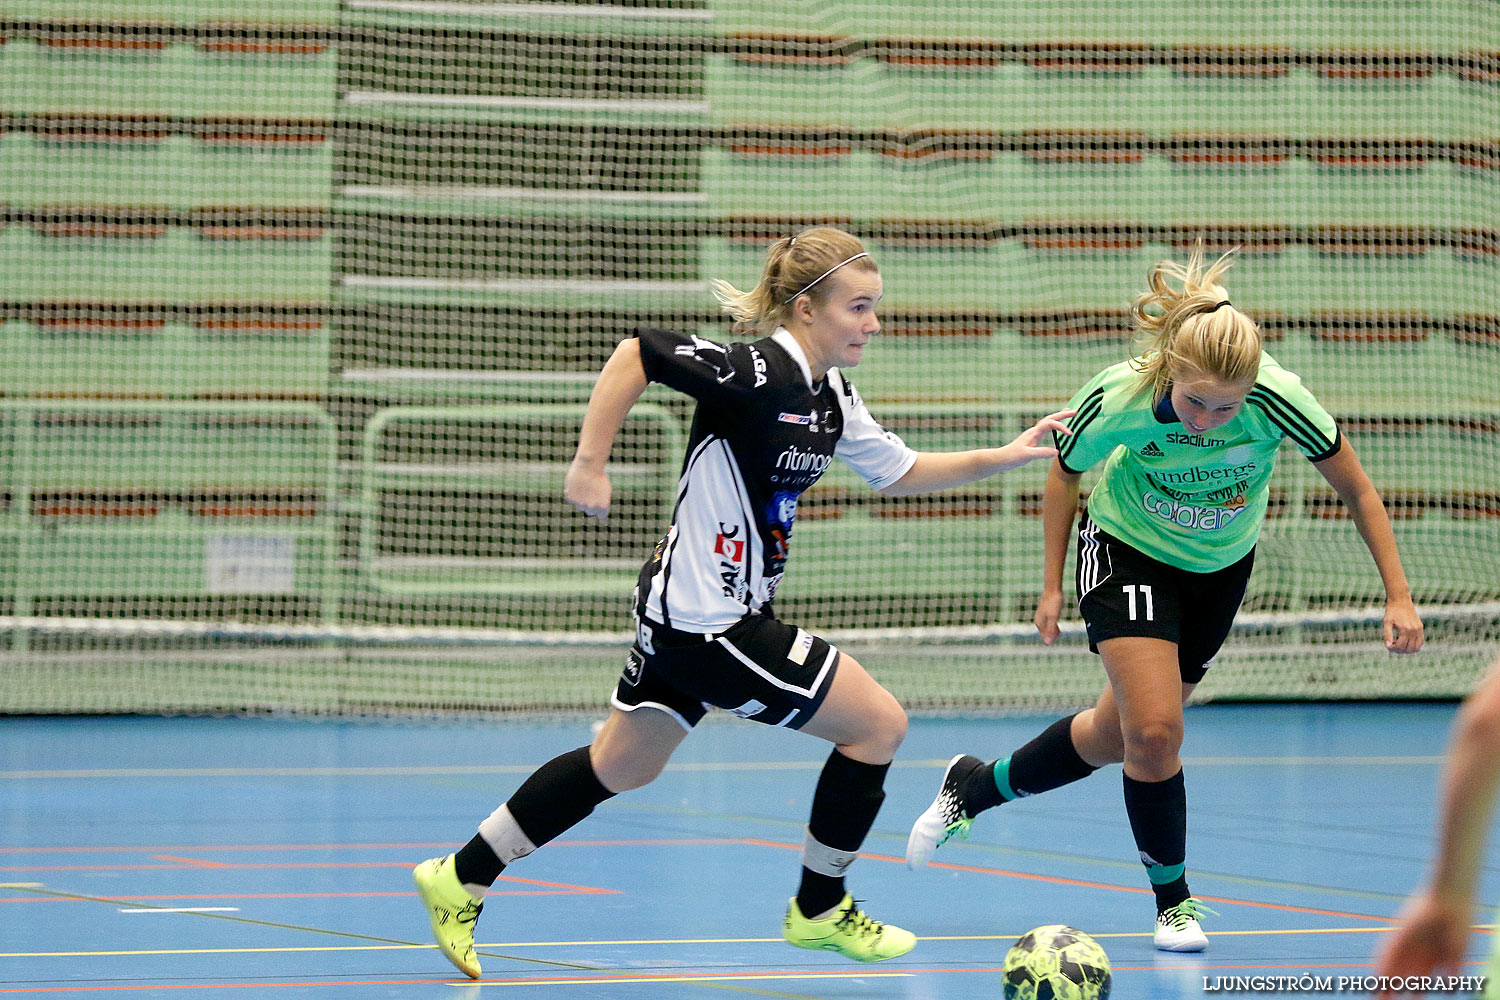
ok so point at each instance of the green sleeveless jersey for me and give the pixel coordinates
(1195, 501)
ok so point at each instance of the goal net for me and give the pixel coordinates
(300, 312)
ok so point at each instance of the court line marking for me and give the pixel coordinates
(650, 979)
(690, 977)
(479, 949)
(165, 848)
(223, 986)
(177, 865)
(45, 891)
(1025, 852)
(178, 909)
(229, 895)
(673, 942)
(1114, 864)
(737, 767)
(287, 949)
(443, 845)
(192, 862)
(302, 895)
(1086, 884)
(646, 979)
(706, 978)
(1110, 863)
(667, 942)
(787, 846)
(544, 888)
(981, 847)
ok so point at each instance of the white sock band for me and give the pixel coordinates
(505, 837)
(825, 860)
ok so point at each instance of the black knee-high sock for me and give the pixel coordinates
(1047, 762)
(848, 796)
(558, 795)
(1158, 818)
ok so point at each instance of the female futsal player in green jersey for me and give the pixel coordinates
(1188, 432)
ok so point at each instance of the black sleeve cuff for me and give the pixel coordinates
(1334, 449)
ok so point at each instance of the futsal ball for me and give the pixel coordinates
(1056, 962)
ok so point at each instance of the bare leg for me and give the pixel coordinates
(633, 747)
(859, 717)
(1097, 732)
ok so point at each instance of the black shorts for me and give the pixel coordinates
(759, 668)
(1124, 592)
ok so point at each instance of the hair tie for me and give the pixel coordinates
(822, 276)
(1217, 306)
(791, 241)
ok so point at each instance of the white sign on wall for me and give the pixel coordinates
(250, 564)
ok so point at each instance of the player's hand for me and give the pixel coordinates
(588, 489)
(1430, 937)
(1403, 626)
(1028, 445)
(1048, 611)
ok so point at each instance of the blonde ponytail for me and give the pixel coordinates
(793, 266)
(1192, 325)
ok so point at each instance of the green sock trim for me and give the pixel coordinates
(1002, 779)
(1162, 874)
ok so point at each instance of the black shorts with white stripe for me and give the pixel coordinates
(1124, 592)
(759, 668)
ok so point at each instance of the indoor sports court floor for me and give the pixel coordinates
(243, 857)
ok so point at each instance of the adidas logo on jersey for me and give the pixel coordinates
(1152, 450)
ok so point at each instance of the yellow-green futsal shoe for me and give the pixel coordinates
(450, 910)
(850, 932)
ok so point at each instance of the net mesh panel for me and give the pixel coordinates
(300, 312)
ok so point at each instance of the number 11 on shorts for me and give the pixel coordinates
(1145, 590)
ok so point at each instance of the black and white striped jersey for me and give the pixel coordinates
(762, 433)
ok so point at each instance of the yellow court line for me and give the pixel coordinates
(1142, 934)
(511, 945)
(214, 951)
(387, 947)
(713, 978)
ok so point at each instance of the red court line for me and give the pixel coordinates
(1083, 883)
(187, 867)
(164, 848)
(223, 895)
(550, 885)
(215, 848)
(715, 841)
(221, 986)
(542, 889)
(681, 842)
(300, 895)
(1297, 909)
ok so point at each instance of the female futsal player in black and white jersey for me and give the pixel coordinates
(770, 416)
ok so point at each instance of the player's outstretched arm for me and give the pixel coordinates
(940, 470)
(620, 384)
(1343, 471)
(1059, 507)
(1433, 928)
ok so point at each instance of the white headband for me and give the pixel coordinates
(822, 276)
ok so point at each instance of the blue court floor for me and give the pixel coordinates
(270, 858)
